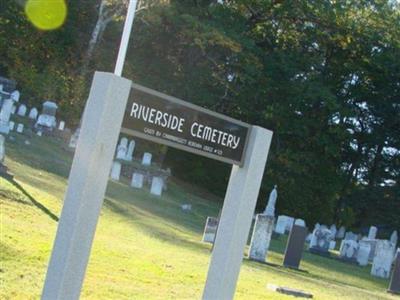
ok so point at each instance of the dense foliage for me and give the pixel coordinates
(323, 75)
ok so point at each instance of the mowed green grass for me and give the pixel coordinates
(145, 247)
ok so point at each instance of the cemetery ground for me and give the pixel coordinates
(145, 247)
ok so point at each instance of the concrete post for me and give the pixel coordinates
(234, 226)
(87, 183)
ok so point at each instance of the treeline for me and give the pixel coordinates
(323, 75)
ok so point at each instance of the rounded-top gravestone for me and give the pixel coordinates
(22, 110)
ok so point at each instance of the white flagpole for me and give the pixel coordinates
(125, 37)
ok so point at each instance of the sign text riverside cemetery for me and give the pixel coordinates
(167, 120)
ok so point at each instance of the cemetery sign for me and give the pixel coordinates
(167, 120)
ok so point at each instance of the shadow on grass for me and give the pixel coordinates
(147, 219)
(33, 200)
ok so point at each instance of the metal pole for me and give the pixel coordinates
(123, 47)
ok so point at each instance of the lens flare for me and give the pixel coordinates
(46, 14)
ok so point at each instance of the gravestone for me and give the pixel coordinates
(295, 246)
(289, 224)
(394, 238)
(47, 119)
(13, 109)
(332, 245)
(348, 251)
(333, 230)
(137, 180)
(39, 133)
(22, 110)
(309, 237)
(116, 170)
(74, 139)
(131, 149)
(300, 222)
(5, 114)
(364, 250)
(61, 125)
(146, 161)
(350, 236)
(157, 186)
(281, 224)
(372, 232)
(186, 207)
(11, 125)
(320, 241)
(394, 286)
(341, 232)
(210, 230)
(20, 128)
(383, 259)
(33, 113)
(372, 244)
(122, 148)
(15, 95)
(261, 237)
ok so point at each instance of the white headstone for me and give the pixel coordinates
(15, 95)
(61, 125)
(13, 109)
(33, 113)
(270, 209)
(372, 232)
(350, 236)
(320, 242)
(5, 115)
(122, 148)
(261, 237)
(289, 224)
(116, 170)
(364, 250)
(11, 125)
(38, 133)
(157, 186)
(2, 148)
(146, 161)
(21, 110)
(394, 238)
(20, 128)
(332, 245)
(186, 207)
(309, 237)
(383, 260)
(348, 250)
(333, 229)
(300, 222)
(137, 180)
(74, 139)
(281, 224)
(131, 149)
(341, 232)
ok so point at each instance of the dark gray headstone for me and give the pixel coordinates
(295, 246)
(394, 286)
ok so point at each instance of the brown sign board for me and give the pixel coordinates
(163, 119)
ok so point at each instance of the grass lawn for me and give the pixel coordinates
(145, 247)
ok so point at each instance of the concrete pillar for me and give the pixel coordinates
(87, 183)
(237, 212)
